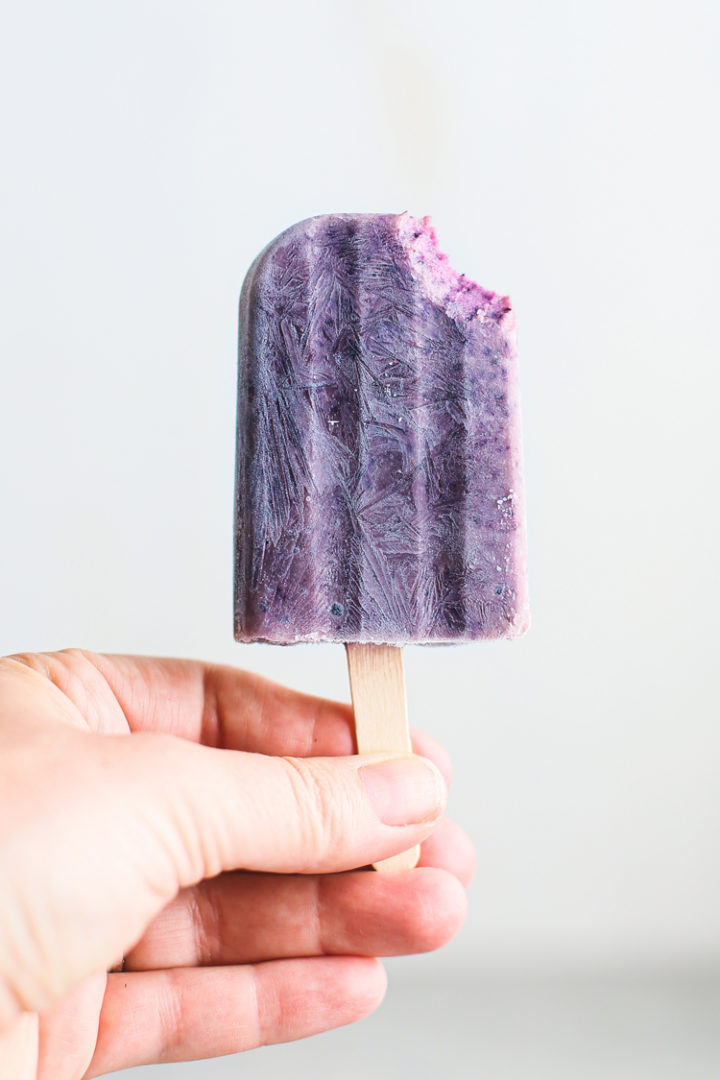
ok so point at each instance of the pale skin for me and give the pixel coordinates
(206, 830)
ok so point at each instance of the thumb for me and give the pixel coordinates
(121, 822)
(226, 810)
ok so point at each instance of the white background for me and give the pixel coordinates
(568, 155)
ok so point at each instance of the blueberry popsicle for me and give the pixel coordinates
(379, 496)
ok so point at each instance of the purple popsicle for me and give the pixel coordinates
(378, 488)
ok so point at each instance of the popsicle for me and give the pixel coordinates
(379, 496)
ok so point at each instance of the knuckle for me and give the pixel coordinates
(170, 1015)
(207, 920)
(322, 804)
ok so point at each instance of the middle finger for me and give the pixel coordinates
(241, 917)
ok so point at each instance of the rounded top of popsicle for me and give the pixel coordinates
(462, 298)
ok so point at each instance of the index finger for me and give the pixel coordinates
(213, 704)
(226, 707)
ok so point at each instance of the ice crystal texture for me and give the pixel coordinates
(378, 486)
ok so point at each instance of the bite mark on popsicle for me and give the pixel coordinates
(461, 297)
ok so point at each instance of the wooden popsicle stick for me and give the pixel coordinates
(377, 686)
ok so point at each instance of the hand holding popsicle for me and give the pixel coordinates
(191, 819)
(196, 820)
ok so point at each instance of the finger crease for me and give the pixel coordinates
(207, 921)
(170, 1008)
(265, 1006)
(319, 913)
(212, 723)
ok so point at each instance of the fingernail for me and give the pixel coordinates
(405, 790)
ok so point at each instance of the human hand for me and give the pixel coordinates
(195, 819)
